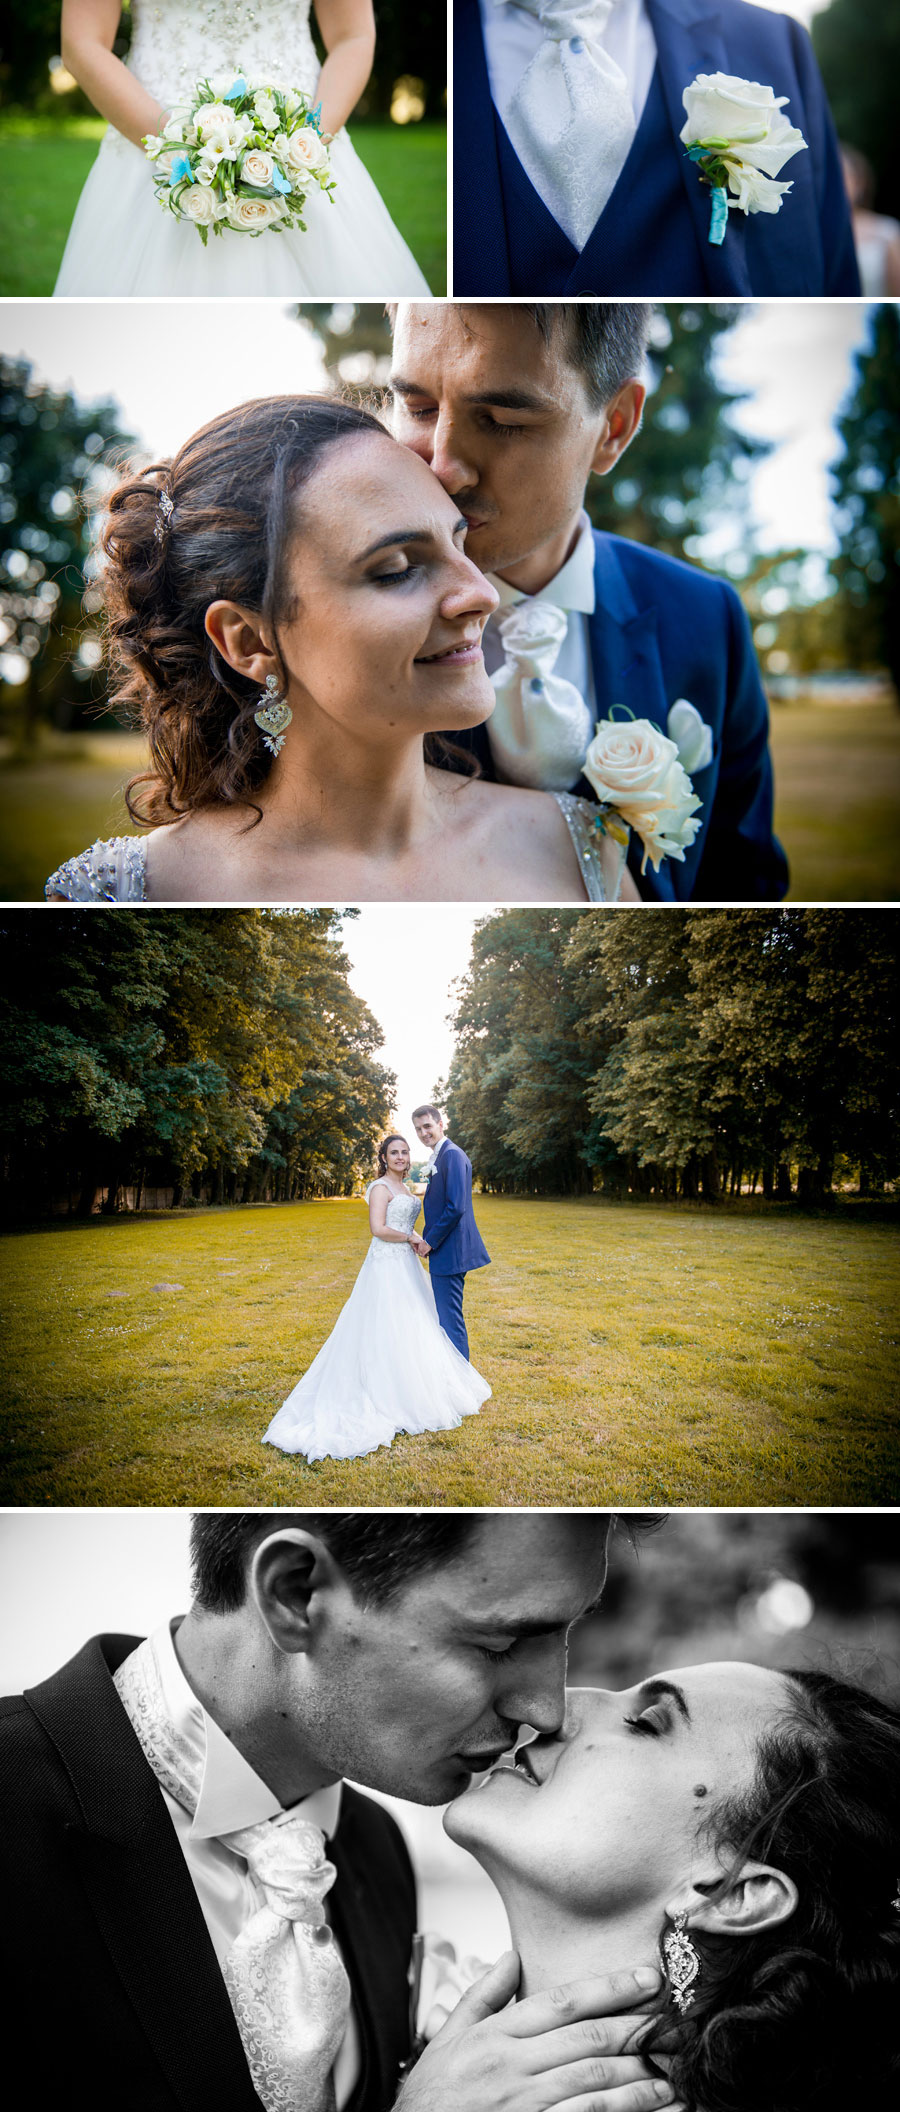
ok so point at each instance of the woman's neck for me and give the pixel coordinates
(555, 1948)
(334, 791)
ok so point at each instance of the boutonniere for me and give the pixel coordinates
(641, 782)
(739, 140)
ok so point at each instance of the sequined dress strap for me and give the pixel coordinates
(114, 871)
(580, 817)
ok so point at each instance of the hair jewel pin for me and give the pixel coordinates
(165, 508)
(273, 716)
(681, 1963)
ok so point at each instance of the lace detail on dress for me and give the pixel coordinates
(177, 42)
(580, 816)
(115, 871)
(402, 1211)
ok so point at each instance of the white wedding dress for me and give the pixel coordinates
(387, 1365)
(121, 241)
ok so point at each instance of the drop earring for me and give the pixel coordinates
(681, 1963)
(273, 715)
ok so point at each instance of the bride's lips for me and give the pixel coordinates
(519, 1767)
(466, 653)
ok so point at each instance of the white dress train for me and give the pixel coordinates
(121, 242)
(387, 1365)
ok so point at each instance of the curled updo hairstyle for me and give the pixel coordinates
(383, 1151)
(803, 2017)
(213, 524)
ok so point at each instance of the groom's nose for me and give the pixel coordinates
(450, 458)
(534, 1691)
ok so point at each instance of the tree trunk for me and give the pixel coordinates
(783, 1189)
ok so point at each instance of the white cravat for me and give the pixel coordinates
(539, 737)
(557, 102)
(232, 1797)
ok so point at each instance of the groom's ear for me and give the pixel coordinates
(241, 643)
(291, 1582)
(759, 1897)
(621, 420)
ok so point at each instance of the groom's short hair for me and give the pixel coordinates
(606, 341)
(427, 1108)
(378, 1556)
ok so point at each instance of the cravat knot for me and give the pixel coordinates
(541, 726)
(565, 20)
(532, 633)
(287, 1858)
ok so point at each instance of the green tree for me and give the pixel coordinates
(355, 342)
(53, 466)
(689, 462)
(866, 490)
(858, 50)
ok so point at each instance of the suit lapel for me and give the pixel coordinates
(476, 162)
(624, 643)
(134, 1876)
(690, 39)
(376, 1957)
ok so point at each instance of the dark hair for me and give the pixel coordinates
(378, 1554)
(804, 2015)
(383, 1151)
(606, 341)
(427, 1109)
(223, 531)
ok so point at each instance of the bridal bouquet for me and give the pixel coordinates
(641, 782)
(240, 157)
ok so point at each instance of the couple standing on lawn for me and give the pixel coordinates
(398, 1358)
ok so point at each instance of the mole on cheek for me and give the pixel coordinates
(700, 1789)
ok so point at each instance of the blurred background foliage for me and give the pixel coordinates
(858, 49)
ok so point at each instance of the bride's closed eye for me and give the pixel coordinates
(655, 1720)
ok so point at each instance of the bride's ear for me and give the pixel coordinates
(760, 1897)
(237, 637)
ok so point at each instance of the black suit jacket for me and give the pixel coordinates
(113, 1986)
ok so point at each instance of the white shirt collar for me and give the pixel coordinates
(438, 1148)
(232, 1794)
(573, 587)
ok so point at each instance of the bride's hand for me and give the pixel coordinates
(563, 2051)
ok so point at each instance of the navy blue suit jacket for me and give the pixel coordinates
(663, 630)
(652, 237)
(450, 1227)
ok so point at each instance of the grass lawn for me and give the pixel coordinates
(637, 1354)
(837, 774)
(43, 165)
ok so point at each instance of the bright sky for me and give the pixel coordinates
(405, 955)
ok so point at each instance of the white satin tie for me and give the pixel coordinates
(284, 1974)
(541, 728)
(570, 119)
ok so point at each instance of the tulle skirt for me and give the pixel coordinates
(122, 242)
(387, 1367)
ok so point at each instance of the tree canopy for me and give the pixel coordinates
(214, 1053)
(679, 1053)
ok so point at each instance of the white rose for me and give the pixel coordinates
(248, 215)
(303, 151)
(213, 117)
(744, 116)
(257, 169)
(196, 203)
(635, 769)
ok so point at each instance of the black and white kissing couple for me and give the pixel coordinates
(398, 1356)
(377, 665)
(700, 1873)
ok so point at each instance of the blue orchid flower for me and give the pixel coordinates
(180, 171)
(237, 89)
(280, 183)
(313, 118)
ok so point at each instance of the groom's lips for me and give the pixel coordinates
(479, 1763)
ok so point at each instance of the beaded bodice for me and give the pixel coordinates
(402, 1211)
(177, 42)
(580, 816)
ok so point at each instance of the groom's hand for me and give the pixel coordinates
(563, 2051)
(424, 1248)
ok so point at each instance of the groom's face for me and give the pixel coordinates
(508, 426)
(415, 1696)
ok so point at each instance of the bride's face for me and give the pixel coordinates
(387, 610)
(397, 1158)
(607, 1815)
